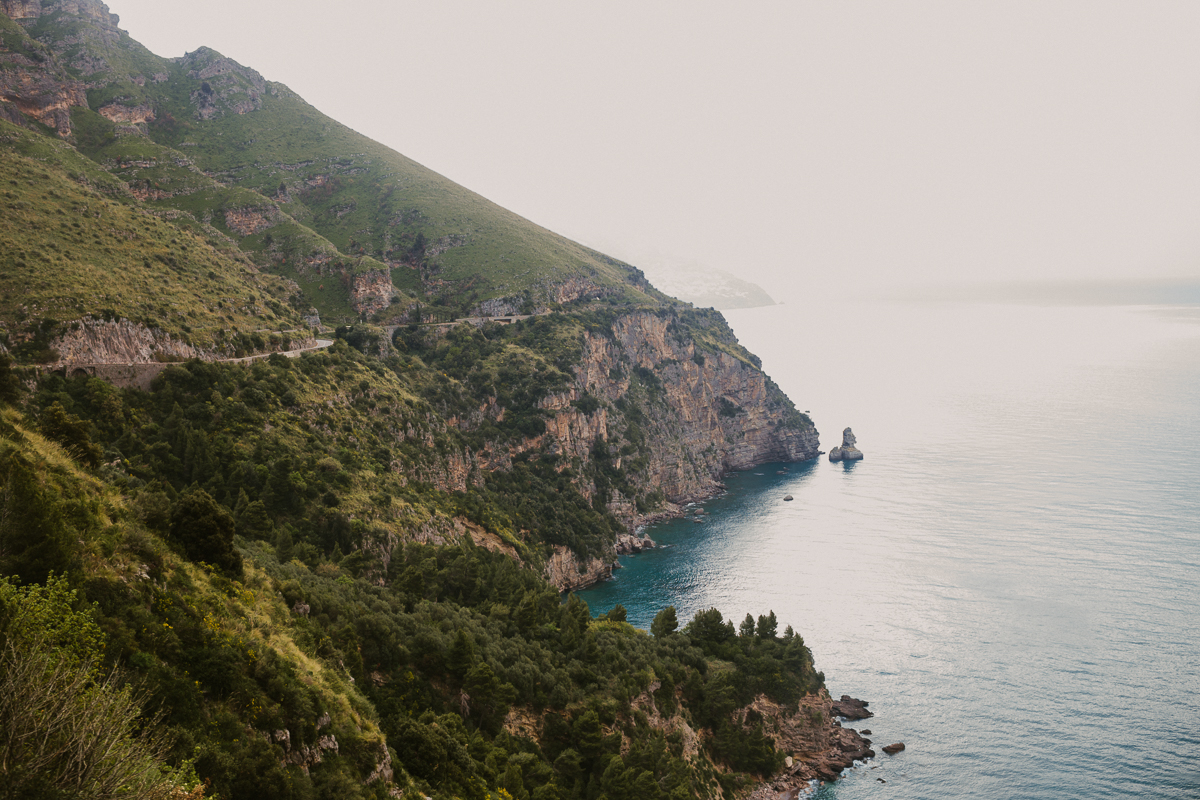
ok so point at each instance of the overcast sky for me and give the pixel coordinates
(847, 144)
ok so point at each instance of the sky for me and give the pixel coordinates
(836, 145)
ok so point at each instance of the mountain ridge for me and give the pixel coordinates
(358, 551)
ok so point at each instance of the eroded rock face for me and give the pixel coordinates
(127, 115)
(95, 341)
(372, 291)
(226, 86)
(566, 572)
(42, 95)
(715, 416)
(249, 221)
(817, 746)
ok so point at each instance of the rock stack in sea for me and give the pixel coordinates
(847, 452)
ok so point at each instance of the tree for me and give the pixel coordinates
(665, 623)
(461, 655)
(617, 614)
(710, 627)
(71, 432)
(35, 539)
(767, 626)
(746, 629)
(205, 529)
(10, 383)
(66, 729)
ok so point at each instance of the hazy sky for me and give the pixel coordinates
(833, 143)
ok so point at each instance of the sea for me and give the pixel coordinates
(1011, 575)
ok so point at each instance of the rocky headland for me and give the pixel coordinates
(818, 748)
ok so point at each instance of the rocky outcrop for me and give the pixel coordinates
(251, 220)
(849, 708)
(630, 544)
(566, 572)
(847, 452)
(704, 413)
(817, 746)
(892, 749)
(371, 291)
(225, 85)
(93, 341)
(127, 115)
(42, 95)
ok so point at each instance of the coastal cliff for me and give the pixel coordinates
(338, 571)
(682, 413)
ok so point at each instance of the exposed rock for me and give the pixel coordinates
(248, 221)
(819, 747)
(226, 86)
(629, 544)
(127, 115)
(95, 341)
(372, 291)
(849, 708)
(847, 452)
(43, 94)
(892, 749)
(692, 442)
(565, 572)
(788, 497)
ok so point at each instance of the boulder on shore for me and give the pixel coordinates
(892, 749)
(849, 708)
(847, 451)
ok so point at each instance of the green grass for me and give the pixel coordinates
(68, 251)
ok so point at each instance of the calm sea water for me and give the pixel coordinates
(1012, 575)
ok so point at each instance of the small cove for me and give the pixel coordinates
(1009, 576)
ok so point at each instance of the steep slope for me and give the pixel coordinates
(78, 255)
(339, 574)
(398, 227)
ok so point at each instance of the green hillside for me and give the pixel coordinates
(279, 157)
(339, 572)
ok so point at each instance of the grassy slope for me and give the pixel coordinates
(73, 243)
(373, 202)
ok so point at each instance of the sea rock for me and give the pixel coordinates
(788, 497)
(850, 708)
(847, 451)
(892, 749)
(629, 544)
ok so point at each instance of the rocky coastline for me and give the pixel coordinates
(817, 747)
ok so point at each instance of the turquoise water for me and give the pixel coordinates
(1012, 575)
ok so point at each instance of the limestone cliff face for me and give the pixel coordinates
(568, 572)
(33, 86)
(250, 220)
(689, 414)
(108, 342)
(706, 413)
(226, 86)
(121, 342)
(371, 291)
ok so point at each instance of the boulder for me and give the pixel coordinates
(787, 497)
(849, 708)
(892, 749)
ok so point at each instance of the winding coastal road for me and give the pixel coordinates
(140, 374)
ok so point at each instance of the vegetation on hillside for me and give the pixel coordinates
(259, 643)
(323, 577)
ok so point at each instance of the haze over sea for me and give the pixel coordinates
(1011, 577)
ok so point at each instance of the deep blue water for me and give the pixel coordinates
(1012, 575)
